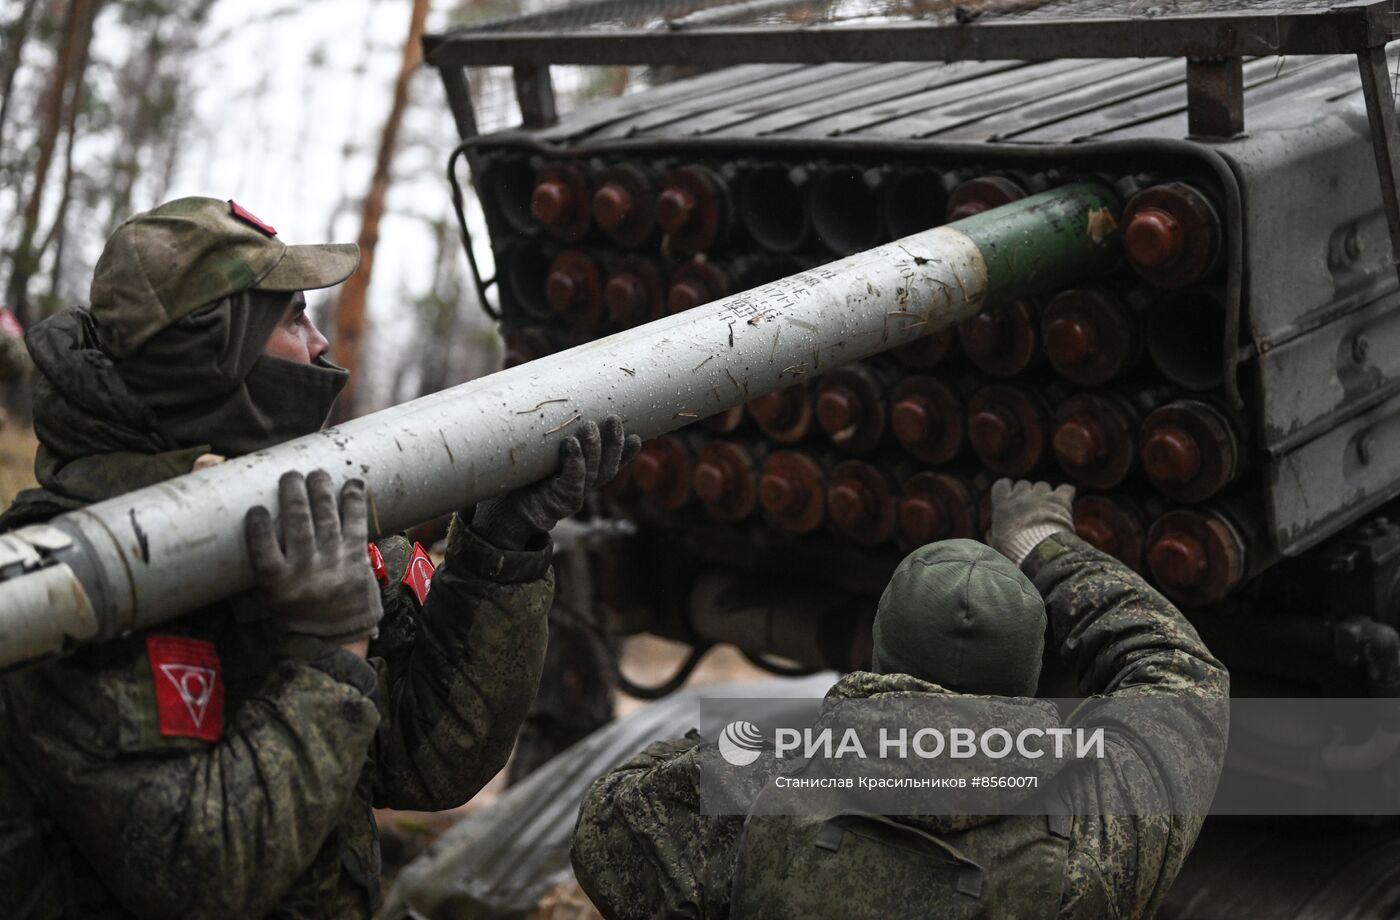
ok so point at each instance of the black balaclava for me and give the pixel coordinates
(206, 380)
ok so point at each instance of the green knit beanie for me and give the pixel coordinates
(958, 614)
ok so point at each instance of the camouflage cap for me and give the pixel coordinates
(957, 613)
(175, 258)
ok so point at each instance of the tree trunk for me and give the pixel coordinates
(349, 329)
(67, 74)
(58, 233)
(15, 35)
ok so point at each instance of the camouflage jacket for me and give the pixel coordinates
(642, 849)
(105, 813)
(1128, 643)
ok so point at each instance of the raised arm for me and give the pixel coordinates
(462, 671)
(1122, 636)
(1156, 691)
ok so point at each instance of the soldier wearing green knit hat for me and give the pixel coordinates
(960, 615)
(958, 619)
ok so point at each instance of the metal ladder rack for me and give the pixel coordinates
(705, 34)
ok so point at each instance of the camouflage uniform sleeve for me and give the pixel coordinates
(460, 673)
(1121, 635)
(181, 827)
(1161, 701)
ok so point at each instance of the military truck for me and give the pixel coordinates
(1227, 401)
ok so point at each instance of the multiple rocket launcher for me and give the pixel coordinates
(1226, 397)
(1102, 384)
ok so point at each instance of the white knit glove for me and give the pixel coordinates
(1023, 514)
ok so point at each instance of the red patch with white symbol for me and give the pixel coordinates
(243, 214)
(419, 577)
(189, 688)
(376, 565)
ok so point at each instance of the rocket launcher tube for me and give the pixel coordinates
(156, 553)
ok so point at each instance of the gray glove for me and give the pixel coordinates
(318, 581)
(1024, 514)
(589, 460)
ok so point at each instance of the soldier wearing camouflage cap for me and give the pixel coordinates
(227, 763)
(959, 618)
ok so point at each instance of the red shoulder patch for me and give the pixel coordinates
(419, 577)
(243, 214)
(376, 565)
(189, 687)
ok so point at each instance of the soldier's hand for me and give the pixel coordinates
(317, 581)
(1025, 513)
(588, 460)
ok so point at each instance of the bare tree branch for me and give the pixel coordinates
(64, 90)
(58, 233)
(16, 33)
(348, 348)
